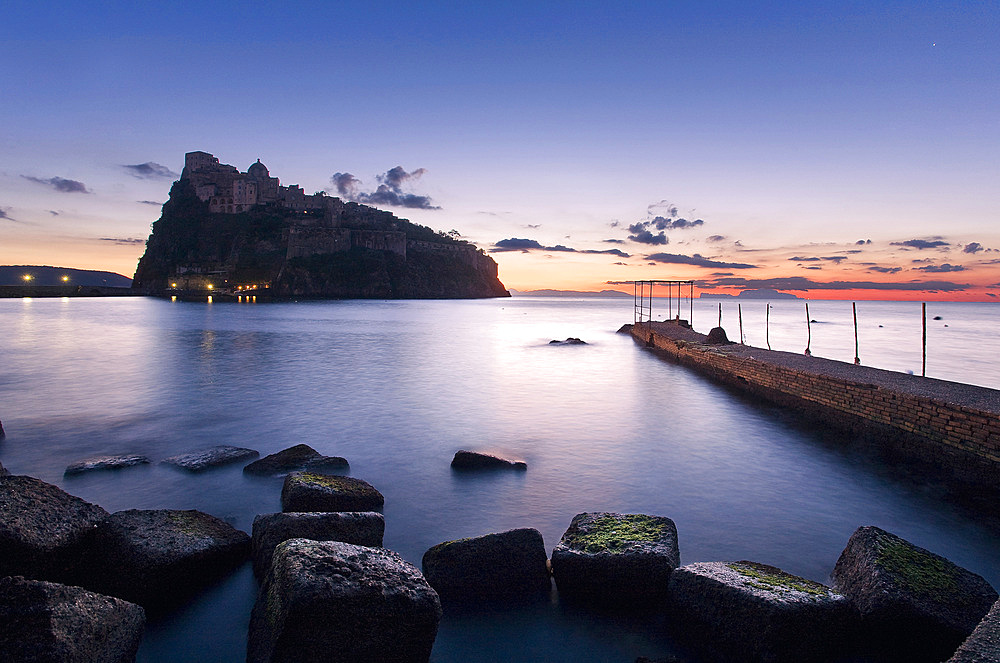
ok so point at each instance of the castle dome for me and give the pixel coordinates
(258, 171)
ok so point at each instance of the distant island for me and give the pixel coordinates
(45, 275)
(759, 293)
(228, 232)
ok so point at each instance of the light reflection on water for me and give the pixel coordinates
(397, 387)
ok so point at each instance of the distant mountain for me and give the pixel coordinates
(46, 275)
(567, 293)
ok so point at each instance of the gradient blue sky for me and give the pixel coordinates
(793, 130)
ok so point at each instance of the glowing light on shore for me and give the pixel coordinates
(27, 277)
(65, 278)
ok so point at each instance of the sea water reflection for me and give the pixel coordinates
(397, 387)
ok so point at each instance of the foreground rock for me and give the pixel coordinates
(199, 461)
(717, 336)
(43, 529)
(983, 646)
(915, 605)
(474, 460)
(299, 457)
(507, 565)
(616, 558)
(310, 491)
(333, 601)
(158, 558)
(362, 528)
(105, 463)
(754, 612)
(43, 621)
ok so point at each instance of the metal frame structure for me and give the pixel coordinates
(642, 299)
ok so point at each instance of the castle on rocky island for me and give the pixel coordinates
(226, 230)
(228, 191)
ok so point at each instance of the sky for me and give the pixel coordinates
(830, 149)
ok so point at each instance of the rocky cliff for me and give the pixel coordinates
(345, 251)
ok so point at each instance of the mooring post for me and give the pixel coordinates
(809, 331)
(720, 314)
(923, 352)
(857, 359)
(767, 326)
(739, 311)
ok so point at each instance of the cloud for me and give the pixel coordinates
(862, 242)
(940, 268)
(716, 238)
(614, 241)
(884, 270)
(922, 244)
(4, 215)
(665, 205)
(533, 226)
(149, 202)
(802, 283)
(122, 241)
(697, 260)
(53, 212)
(974, 247)
(150, 171)
(801, 259)
(389, 191)
(620, 263)
(645, 237)
(526, 245)
(60, 184)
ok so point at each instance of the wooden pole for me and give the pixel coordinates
(720, 314)
(857, 359)
(739, 310)
(923, 362)
(767, 326)
(809, 331)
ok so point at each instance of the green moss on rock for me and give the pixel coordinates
(773, 579)
(613, 533)
(916, 570)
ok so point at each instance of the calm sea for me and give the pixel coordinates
(397, 387)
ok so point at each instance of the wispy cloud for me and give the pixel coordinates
(122, 241)
(149, 202)
(150, 171)
(884, 270)
(60, 184)
(697, 260)
(921, 244)
(389, 191)
(802, 283)
(528, 245)
(946, 267)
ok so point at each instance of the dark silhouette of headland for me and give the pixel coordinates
(228, 233)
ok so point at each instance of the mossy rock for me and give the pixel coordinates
(916, 605)
(616, 558)
(751, 611)
(311, 491)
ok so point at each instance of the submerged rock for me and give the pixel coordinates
(105, 463)
(569, 341)
(616, 558)
(4, 471)
(506, 565)
(474, 460)
(983, 646)
(754, 612)
(333, 601)
(159, 557)
(299, 457)
(310, 491)
(43, 529)
(2, 434)
(44, 621)
(222, 454)
(916, 605)
(362, 528)
(625, 329)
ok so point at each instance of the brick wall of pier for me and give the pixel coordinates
(926, 426)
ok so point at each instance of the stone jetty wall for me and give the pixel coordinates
(931, 418)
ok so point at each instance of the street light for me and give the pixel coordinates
(28, 277)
